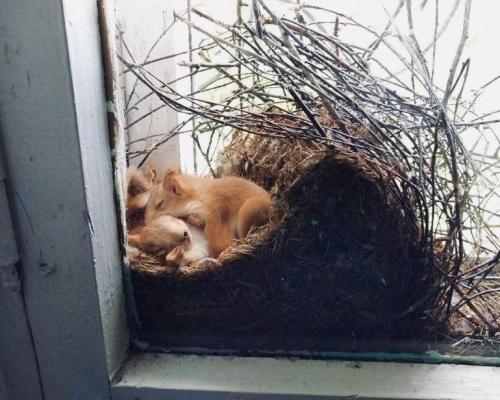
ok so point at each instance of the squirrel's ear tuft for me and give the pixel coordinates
(172, 183)
(152, 172)
(172, 171)
(137, 182)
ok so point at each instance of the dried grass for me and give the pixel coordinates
(338, 258)
(372, 188)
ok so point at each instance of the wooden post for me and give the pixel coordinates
(56, 147)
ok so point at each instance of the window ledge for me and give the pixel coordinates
(160, 376)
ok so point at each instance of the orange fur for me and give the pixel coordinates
(139, 185)
(226, 207)
(163, 233)
(254, 212)
(184, 245)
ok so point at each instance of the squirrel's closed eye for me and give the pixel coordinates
(159, 204)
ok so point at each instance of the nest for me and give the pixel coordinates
(375, 195)
(338, 258)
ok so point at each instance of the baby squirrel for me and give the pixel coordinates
(184, 245)
(225, 208)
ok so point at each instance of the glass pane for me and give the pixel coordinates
(371, 126)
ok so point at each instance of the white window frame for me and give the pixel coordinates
(60, 180)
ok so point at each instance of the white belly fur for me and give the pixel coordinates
(191, 207)
(199, 246)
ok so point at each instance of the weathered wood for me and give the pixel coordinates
(19, 377)
(18, 368)
(150, 376)
(54, 137)
(86, 66)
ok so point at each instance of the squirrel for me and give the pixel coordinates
(184, 245)
(139, 185)
(225, 208)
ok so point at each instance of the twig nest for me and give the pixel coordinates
(340, 256)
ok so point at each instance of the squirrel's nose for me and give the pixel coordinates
(185, 234)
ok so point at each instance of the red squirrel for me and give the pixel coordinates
(225, 208)
(185, 245)
(139, 185)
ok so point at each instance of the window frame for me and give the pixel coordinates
(72, 277)
(158, 376)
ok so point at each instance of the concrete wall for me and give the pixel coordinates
(142, 23)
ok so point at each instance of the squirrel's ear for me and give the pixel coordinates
(168, 179)
(172, 171)
(152, 172)
(137, 182)
(172, 183)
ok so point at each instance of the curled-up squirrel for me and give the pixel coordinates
(184, 245)
(225, 208)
